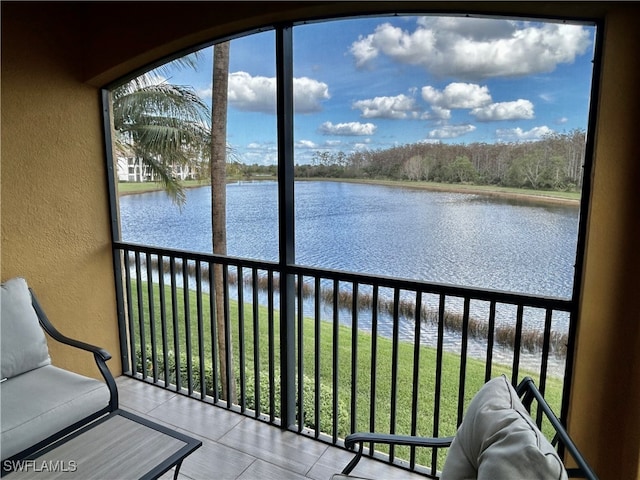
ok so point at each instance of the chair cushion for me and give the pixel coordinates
(41, 402)
(498, 440)
(23, 344)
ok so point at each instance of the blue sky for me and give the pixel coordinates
(379, 82)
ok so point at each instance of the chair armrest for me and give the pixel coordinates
(99, 354)
(389, 439)
(528, 391)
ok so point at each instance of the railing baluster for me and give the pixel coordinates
(490, 339)
(256, 341)
(241, 341)
(272, 362)
(163, 321)
(542, 384)
(394, 367)
(438, 383)
(300, 353)
(374, 361)
(316, 355)
(140, 305)
(354, 355)
(175, 319)
(133, 367)
(516, 345)
(152, 317)
(227, 337)
(334, 368)
(416, 374)
(463, 359)
(200, 316)
(214, 333)
(187, 323)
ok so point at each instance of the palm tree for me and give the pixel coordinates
(218, 165)
(162, 126)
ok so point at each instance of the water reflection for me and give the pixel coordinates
(455, 238)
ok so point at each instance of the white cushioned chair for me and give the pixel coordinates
(40, 402)
(496, 440)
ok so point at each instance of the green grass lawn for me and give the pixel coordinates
(513, 192)
(474, 379)
(143, 187)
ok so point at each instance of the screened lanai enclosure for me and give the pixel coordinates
(352, 224)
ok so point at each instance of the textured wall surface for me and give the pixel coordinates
(55, 219)
(606, 391)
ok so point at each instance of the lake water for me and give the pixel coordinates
(455, 238)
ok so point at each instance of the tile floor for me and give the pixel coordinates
(238, 447)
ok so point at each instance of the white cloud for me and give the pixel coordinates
(306, 144)
(457, 95)
(265, 153)
(204, 93)
(255, 94)
(437, 113)
(308, 93)
(364, 50)
(451, 131)
(517, 110)
(347, 129)
(475, 48)
(393, 41)
(562, 120)
(518, 135)
(477, 29)
(258, 94)
(398, 107)
(361, 146)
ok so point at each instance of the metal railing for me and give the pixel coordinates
(326, 353)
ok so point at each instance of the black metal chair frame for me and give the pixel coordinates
(100, 355)
(526, 390)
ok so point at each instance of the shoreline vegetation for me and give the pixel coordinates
(531, 340)
(523, 194)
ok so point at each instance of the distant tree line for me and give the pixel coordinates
(554, 162)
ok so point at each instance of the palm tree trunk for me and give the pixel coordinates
(218, 210)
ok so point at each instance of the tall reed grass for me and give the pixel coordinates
(531, 339)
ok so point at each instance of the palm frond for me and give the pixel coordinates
(170, 184)
(163, 124)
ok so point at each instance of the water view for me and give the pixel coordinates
(454, 238)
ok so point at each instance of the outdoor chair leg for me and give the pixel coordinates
(177, 471)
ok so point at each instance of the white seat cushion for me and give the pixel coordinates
(23, 343)
(498, 440)
(41, 402)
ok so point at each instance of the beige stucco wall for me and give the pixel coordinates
(54, 210)
(55, 219)
(606, 387)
